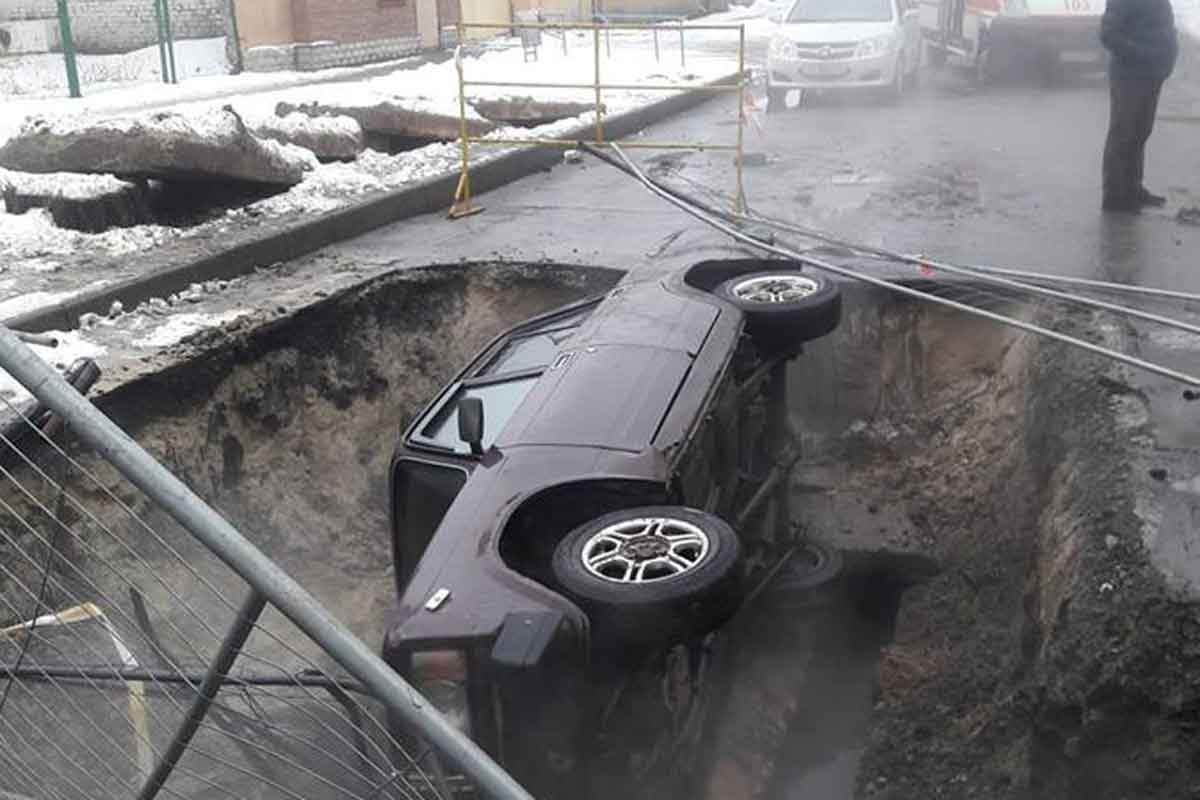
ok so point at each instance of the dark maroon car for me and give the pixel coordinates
(585, 504)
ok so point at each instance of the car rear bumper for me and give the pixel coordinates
(1077, 37)
(855, 73)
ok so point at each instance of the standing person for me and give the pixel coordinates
(1140, 35)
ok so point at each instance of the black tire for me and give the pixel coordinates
(664, 609)
(776, 100)
(813, 565)
(789, 321)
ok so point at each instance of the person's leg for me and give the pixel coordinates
(1121, 187)
(1147, 111)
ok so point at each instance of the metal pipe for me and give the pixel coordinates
(244, 558)
(631, 145)
(650, 87)
(231, 647)
(68, 48)
(166, 11)
(629, 26)
(898, 288)
(144, 675)
(1108, 286)
(596, 76)
(987, 276)
(40, 339)
(1064, 296)
(739, 202)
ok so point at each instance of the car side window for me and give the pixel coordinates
(423, 494)
(500, 402)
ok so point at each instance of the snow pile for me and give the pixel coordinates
(32, 238)
(180, 326)
(44, 74)
(212, 144)
(329, 138)
(68, 185)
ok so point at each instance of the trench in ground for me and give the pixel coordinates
(921, 430)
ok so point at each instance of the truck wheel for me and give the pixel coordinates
(785, 305)
(652, 575)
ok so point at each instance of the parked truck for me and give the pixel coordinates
(997, 37)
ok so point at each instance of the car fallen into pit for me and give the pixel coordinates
(582, 508)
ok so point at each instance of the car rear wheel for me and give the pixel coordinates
(651, 575)
(785, 305)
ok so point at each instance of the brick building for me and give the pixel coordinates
(315, 34)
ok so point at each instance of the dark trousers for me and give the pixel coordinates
(1131, 120)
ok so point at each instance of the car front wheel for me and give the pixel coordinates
(652, 575)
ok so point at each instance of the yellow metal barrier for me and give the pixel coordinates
(463, 206)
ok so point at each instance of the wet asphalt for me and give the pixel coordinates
(1005, 176)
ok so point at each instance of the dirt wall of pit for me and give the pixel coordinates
(1047, 658)
(288, 430)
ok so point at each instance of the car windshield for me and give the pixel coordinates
(841, 11)
(500, 401)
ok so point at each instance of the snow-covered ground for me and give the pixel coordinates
(44, 74)
(32, 245)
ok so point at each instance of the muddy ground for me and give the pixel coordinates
(1047, 658)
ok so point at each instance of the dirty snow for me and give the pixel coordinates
(33, 235)
(180, 326)
(72, 345)
(70, 185)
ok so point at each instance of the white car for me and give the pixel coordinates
(836, 44)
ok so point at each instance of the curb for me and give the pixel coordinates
(239, 253)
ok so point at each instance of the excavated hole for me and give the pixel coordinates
(928, 437)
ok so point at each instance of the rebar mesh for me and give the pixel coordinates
(110, 616)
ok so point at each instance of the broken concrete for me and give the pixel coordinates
(166, 146)
(390, 117)
(329, 138)
(88, 203)
(527, 112)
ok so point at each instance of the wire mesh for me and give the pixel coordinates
(110, 617)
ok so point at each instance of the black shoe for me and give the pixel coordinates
(1149, 198)
(1122, 206)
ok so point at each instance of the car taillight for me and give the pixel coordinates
(441, 675)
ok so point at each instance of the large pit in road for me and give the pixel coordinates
(997, 631)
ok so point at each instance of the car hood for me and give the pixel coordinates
(829, 32)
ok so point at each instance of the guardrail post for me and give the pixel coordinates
(231, 646)
(682, 55)
(740, 198)
(599, 104)
(68, 48)
(656, 44)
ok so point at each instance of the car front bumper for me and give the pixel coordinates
(850, 73)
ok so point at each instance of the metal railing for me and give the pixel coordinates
(462, 205)
(148, 648)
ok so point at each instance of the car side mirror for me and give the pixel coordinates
(470, 423)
